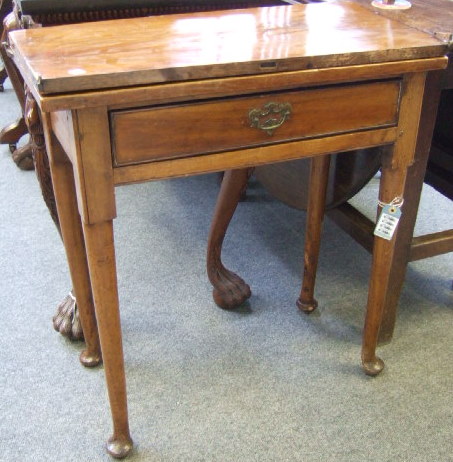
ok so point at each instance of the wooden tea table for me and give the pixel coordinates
(132, 100)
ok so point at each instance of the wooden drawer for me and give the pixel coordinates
(195, 128)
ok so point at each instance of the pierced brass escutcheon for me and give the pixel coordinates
(270, 116)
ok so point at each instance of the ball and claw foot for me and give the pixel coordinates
(119, 448)
(66, 320)
(23, 157)
(230, 291)
(374, 367)
(307, 307)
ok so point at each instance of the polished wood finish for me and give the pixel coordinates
(144, 136)
(186, 58)
(279, 59)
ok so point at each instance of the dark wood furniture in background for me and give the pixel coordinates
(190, 84)
(5, 8)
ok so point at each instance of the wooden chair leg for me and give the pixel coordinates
(230, 290)
(13, 132)
(319, 175)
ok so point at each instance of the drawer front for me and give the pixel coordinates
(187, 129)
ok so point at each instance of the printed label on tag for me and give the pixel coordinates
(388, 221)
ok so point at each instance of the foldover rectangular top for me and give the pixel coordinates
(128, 52)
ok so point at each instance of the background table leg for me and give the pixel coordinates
(319, 176)
(230, 290)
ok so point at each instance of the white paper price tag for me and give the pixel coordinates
(388, 221)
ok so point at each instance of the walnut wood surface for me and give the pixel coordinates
(84, 176)
(213, 126)
(210, 44)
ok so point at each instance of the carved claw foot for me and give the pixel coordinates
(230, 291)
(119, 448)
(307, 307)
(23, 157)
(373, 367)
(66, 321)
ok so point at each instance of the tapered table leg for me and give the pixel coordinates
(319, 175)
(384, 251)
(101, 261)
(395, 168)
(91, 254)
(412, 193)
(230, 290)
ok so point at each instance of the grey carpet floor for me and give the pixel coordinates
(265, 383)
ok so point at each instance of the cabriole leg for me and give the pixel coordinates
(230, 290)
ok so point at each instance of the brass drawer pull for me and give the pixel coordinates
(270, 116)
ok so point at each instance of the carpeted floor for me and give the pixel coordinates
(265, 383)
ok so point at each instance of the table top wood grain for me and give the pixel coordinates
(128, 52)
